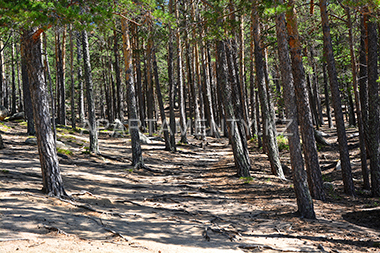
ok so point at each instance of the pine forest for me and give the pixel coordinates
(189, 126)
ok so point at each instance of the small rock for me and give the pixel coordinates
(338, 166)
(31, 141)
(321, 247)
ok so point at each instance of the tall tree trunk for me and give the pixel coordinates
(363, 78)
(48, 79)
(314, 175)
(374, 107)
(241, 155)
(268, 126)
(150, 91)
(73, 114)
(19, 78)
(171, 84)
(181, 88)
(13, 107)
(94, 145)
(327, 96)
(119, 90)
(363, 152)
(80, 79)
(304, 201)
(51, 175)
(27, 97)
(137, 159)
(316, 88)
(342, 138)
(165, 124)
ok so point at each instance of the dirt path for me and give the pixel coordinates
(189, 201)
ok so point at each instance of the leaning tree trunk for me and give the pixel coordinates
(94, 145)
(314, 175)
(51, 174)
(241, 155)
(342, 138)
(137, 159)
(268, 127)
(304, 201)
(374, 106)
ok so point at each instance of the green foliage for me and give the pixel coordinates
(64, 151)
(4, 171)
(282, 142)
(247, 180)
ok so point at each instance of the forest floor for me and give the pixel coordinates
(189, 201)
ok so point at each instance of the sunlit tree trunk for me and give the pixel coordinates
(94, 145)
(314, 175)
(342, 138)
(51, 175)
(137, 159)
(304, 201)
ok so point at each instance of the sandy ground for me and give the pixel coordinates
(189, 201)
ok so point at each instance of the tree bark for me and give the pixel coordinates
(14, 98)
(164, 124)
(73, 114)
(137, 159)
(94, 145)
(80, 79)
(181, 88)
(51, 175)
(374, 107)
(363, 152)
(27, 96)
(327, 96)
(342, 138)
(119, 90)
(268, 126)
(304, 201)
(241, 155)
(314, 175)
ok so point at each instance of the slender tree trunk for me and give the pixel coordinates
(268, 127)
(171, 90)
(374, 107)
(80, 79)
(241, 155)
(342, 138)
(73, 114)
(137, 159)
(363, 78)
(327, 96)
(164, 124)
(14, 98)
(52, 101)
(27, 97)
(150, 91)
(181, 88)
(51, 175)
(94, 145)
(316, 88)
(314, 175)
(19, 78)
(119, 90)
(304, 201)
(363, 152)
